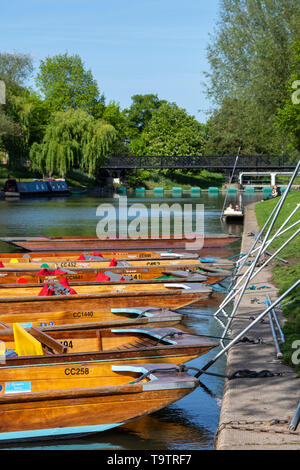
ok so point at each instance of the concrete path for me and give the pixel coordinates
(251, 407)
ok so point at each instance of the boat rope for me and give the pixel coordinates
(245, 339)
(240, 255)
(239, 374)
(224, 289)
(181, 333)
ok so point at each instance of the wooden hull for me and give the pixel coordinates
(111, 345)
(71, 405)
(136, 275)
(87, 243)
(91, 305)
(61, 256)
(67, 264)
(124, 317)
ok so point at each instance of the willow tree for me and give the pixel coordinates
(73, 139)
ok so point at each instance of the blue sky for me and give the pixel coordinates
(131, 46)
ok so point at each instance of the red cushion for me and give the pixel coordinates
(113, 262)
(102, 277)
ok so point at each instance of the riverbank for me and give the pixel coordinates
(256, 412)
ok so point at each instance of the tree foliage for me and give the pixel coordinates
(64, 81)
(73, 139)
(15, 68)
(289, 114)
(171, 131)
(250, 62)
(140, 113)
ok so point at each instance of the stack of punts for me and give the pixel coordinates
(89, 340)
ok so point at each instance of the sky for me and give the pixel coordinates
(130, 46)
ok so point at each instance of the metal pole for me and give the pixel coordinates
(232, 295)
(277, 322)
(252, 267)
(258, 318)
(278, 352)
(276, 212)
(233, 170)
(268, 252)
(295, 420)
(260, 269)
(279, 231)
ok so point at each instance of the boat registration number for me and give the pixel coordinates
(83, 314)
(77, 371)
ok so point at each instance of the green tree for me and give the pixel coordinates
(140, 113)
(65, 83)
(250, 62)
(112, 114)
(15, 68)
(289, 114)
(236, 124)
(73, 139)
(171, 131)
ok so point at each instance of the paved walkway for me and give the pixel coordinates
(250, 405)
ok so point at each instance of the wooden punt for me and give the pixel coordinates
(109, 345)
(47, 401)
(233, 216)
(111, 318)
(93, 301)
(112, 274)
(60, 256)
(87, 243)
(86, 259)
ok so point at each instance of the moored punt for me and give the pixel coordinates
(233, 215)
(109, 345)
(95, 256)
(52, 401)
(96, 259)
(188, 272)
(97, 299)
(116, 318)
(87, 243)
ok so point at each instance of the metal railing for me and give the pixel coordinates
(223, 162)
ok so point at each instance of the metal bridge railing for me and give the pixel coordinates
(205, 162)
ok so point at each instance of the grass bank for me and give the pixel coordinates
(285, 275)
(168, 179)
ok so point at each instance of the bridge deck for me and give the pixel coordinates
(212, 162)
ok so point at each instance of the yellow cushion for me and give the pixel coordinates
(13, 260)
(25, 343)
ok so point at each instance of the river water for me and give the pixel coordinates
(189, 424)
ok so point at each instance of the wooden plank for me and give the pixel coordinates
(48, 341)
